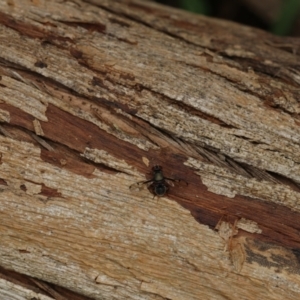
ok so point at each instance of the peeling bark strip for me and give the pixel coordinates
(92, 95)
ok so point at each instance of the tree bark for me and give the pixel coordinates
(93, 94)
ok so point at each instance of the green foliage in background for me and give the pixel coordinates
(288, 14)
(290, 10)
(196, 6)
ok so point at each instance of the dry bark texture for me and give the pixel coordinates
(92, 95)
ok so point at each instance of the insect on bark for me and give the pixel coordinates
(159, 184)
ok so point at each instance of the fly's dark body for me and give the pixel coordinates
(159, 185)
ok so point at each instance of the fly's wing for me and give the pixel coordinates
(139, 186)
(136, 187)
(170, 182)
(176, 182)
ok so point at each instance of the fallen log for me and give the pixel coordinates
(95, 93)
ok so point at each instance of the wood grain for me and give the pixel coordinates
(92, 95)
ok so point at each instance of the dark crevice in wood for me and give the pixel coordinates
(296, 252)
(32, 31)
(35, 79)
(7, 65)
(261, 174)
(249, 171)
(119, 22)
(3, 182)
(255, 172)
(259, 68)
(289, 45)
(268, 100)
(31, 284)
(90, 27)
(180, 105)
(285, 181)
(144, 23)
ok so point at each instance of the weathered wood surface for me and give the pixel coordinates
(92, 95)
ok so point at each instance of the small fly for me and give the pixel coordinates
(159, 183)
